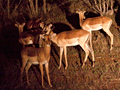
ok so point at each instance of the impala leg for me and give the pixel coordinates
(93, 57)
(41, 69)
(24, 62)
(111, 37)
(47, 71)
(90, 39)
(26, 69)
(61, 52)
(91, 51)
(86, 52)
(65, 54)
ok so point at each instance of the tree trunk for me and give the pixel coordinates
(101, 6)
(44, 6)
(36, 2)
(8, 9)
(32, 7)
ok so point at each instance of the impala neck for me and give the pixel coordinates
(47, 49)
(81, 19)
(54, 39)
(20, 30)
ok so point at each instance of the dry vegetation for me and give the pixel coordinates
(104, 76)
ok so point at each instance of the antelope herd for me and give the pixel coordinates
(42, 35)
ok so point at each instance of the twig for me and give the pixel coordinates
(16, 7)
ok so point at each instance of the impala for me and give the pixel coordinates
(41, 56)
(96, 23)
(20, 27)
(72, 38)
(31, 24)
(35, 23)
(30, 36)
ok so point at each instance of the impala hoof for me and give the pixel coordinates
(50, 85)
(59, 67)
(93, 64)
(83, 65)
(28, 83)
(111, 48)
(44, 86)
(66, 67)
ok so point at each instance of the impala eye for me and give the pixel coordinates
(44, 38)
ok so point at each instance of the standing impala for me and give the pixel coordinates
(31, 24)
(96, 23)
(72, 38)
(30, 36)
(35, 23)
(41, 56)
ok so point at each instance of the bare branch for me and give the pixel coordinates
(112, 2)
(2, 7)
(16, 7)
(30, 12)
(8, 8)
(107, 4)
(101, 6)
(44, 6)
(32, 7)
(90, 5)
(96, 5)
(36, 2)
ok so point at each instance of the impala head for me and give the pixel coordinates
(20, 26)
(26, 41)
(29, 24)
(34, 23)
(41, 24)
(44, 40)
(48, 29)
(81, 13)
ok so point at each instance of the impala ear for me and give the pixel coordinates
(16, 25)
(23, 24)
(42, 36)
(50, 25)
(41, 25)
(84, 11)
(53, 35)
(30, 27)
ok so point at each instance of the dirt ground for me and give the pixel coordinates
(104, 76)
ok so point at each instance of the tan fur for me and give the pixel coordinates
(41, 56)
(34, 23)
(72, 38)
(20, 27)
(96, 23)
(24, 37)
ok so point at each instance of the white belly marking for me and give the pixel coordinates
(30, 42)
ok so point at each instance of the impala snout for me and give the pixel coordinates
(48, 44)
(30, 42)
(26, 41)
